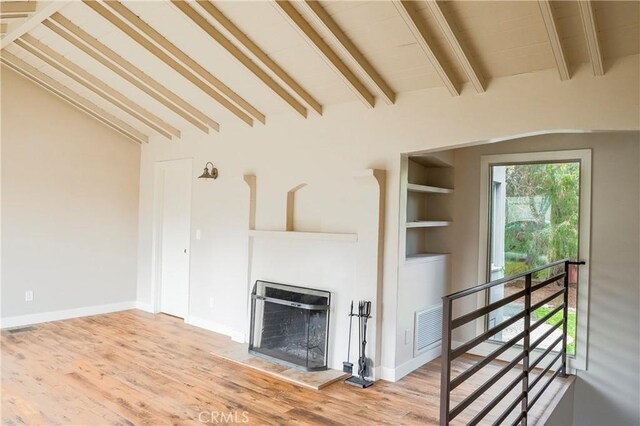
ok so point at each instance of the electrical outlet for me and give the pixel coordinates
(28, 296)
(407, 336)
(198, 234)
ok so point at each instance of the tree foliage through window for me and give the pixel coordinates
(543, 214)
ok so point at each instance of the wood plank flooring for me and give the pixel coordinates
(137, 368)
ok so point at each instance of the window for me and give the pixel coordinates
(537, 211)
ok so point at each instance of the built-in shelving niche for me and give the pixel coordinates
(429, 209)
(424, 255)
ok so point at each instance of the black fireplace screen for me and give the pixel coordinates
(290, 325)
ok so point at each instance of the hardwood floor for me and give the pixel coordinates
(137, 368)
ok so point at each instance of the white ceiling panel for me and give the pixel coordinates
(503, 37)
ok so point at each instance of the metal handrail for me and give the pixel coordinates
(448, 354)
(480, 287)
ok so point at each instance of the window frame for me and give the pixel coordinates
(583, 156)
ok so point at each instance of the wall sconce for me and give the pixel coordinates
(213, 174)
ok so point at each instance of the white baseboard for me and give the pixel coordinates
(22, 320)
(147, 307)
(236, 336)
(387, 373)
(395, 374)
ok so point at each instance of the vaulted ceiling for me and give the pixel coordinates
(149, 68)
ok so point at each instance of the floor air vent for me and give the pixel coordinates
(428, 329)
(20, 329)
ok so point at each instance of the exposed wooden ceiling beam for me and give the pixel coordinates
(133, 70)
(45, 10)
(74, 99)
(414, 22)
(461, 51)
(591, 34)
(323, 20)
(195, 73)
(546, 9)
(223, 41)
(14, 16)
(289, 12)
(92, 51)
(17, 7)
(77, 73)
(241, 37)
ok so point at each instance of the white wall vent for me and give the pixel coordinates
(428, 329)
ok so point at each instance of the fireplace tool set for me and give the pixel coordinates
(364, 363)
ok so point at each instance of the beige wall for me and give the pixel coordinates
(325, 150)
(69, 205)
(608, 392)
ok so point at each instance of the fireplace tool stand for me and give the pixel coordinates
(364, 363)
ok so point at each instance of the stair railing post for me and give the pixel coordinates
(445, 359)
(526, 348)
(565, 319)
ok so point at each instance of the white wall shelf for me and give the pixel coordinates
(295, 235)
(428, 223)
(426, 257)
(414, 187)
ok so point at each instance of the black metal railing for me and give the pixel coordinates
(524, 398)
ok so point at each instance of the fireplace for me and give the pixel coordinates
(290, 325)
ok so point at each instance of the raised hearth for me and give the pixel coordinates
(237, 353)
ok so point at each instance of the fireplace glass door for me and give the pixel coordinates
(290, 325)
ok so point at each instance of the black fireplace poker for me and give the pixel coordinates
(364, 363)
(347, 366)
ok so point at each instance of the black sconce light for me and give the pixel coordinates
(213, 174)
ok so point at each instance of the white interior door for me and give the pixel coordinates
(176, 237)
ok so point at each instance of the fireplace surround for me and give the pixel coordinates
(290, 325)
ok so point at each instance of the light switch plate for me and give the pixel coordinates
(28, 296)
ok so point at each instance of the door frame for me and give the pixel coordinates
(583, 156)
(156, 258)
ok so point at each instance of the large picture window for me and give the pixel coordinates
(536, 211)
(534, 221)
